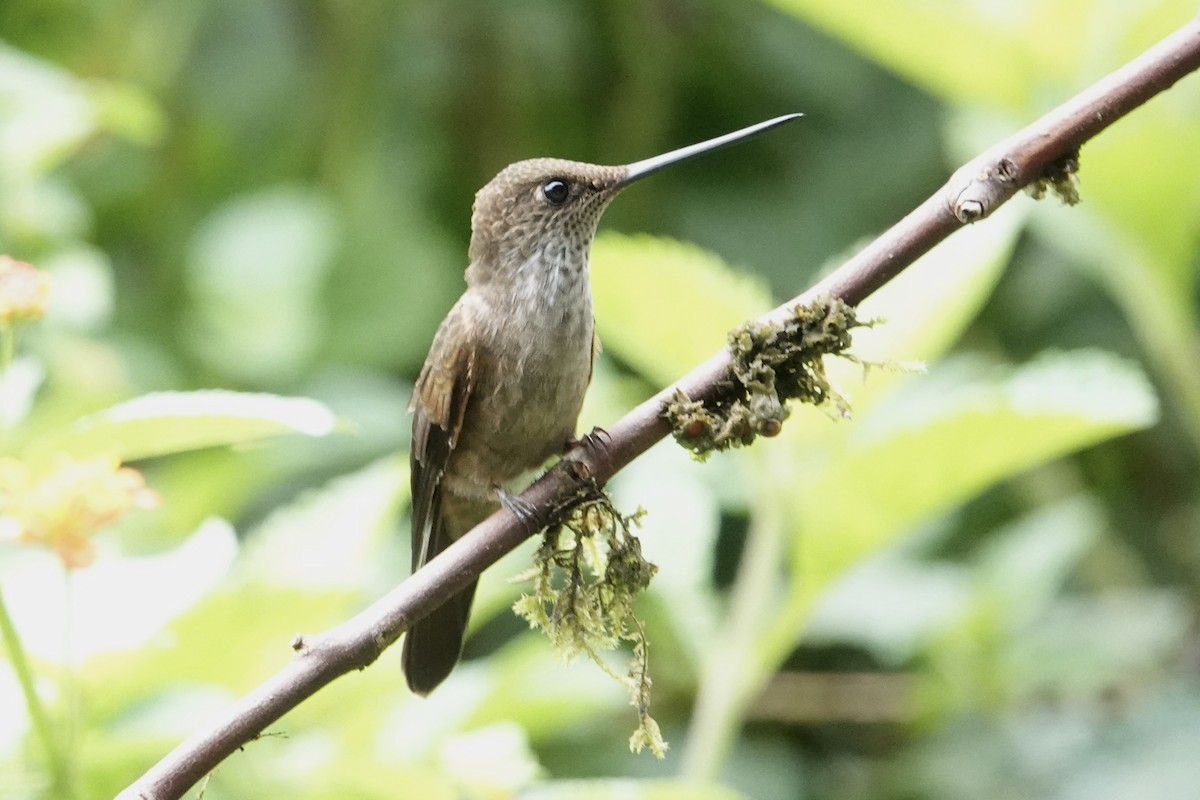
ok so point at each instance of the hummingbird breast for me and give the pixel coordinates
(535, 361)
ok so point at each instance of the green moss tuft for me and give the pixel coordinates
(772, 364)
(1061, 178)
(588, 571)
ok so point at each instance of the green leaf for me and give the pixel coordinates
(294, 546)
(678, 533)
(1155, 202)
(495, 760)
(528, 683)
(19, 384)
(276, 243)
(925, 309)
(45, 113)
(896, 604)
(997, 54)
(891, 605)
(128, 111)
(630, 790)
(664, 306)
(947, 48)
(110, 617)
(952, 434)
(1082, 644)
(163, 423)
(1044, 547)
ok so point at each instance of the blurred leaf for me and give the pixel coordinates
(923, 310)
(663, 306)
(45, 114)
(679, 534)
(891, 605)
(524, 682)
(82, 288)
(19, 383)
(128, 111)
(202, 650)
(999, 54)
(255, 274)
(529, 684)
(323, 539)
(949, 48)
(1081, 645)
(492, 761)
(898, 605)
(171, 422)
(42, 212)
(1145, 754)
(951, 434)
(629, 790)
(1139, 175)
(1043, 547)
(1154, 294)
(105, 615)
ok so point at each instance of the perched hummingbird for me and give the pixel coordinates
(502, 386)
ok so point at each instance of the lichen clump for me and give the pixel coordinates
(1061, 178)
(587, 573)
(773, 363)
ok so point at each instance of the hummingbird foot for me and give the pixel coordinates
(588, 451)
(526, 513)
(596, 439)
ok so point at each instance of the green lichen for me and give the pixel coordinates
(587, 573)
(772, 364)
(1060, 177)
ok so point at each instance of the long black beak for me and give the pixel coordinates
(647, 166)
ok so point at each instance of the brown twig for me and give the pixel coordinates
(971, 194)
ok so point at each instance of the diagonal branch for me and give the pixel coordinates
(972, 193)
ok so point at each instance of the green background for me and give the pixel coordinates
(985, 585)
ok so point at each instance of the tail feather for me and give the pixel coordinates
(433, 644)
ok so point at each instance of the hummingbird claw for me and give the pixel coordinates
(526, 513)
(596, 439)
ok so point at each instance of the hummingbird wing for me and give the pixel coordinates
(439, 403)
(440, 399)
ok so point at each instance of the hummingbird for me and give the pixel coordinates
(501, 389)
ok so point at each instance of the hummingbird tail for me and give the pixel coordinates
(432, 645)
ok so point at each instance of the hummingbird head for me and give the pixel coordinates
(542, 214)
(543, 209)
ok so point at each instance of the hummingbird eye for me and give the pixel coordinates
(556, 191)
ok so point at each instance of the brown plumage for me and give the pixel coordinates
(502, 386)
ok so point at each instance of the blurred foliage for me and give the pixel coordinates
(273, 197)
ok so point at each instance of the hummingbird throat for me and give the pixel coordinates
(551, 291)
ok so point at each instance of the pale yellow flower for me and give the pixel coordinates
(63, 507)
(24, 291)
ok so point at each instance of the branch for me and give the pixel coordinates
(972, 193)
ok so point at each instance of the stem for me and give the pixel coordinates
(55, 760)
(70, 687)
(734, 670)
(8, 350)
(58, 764)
